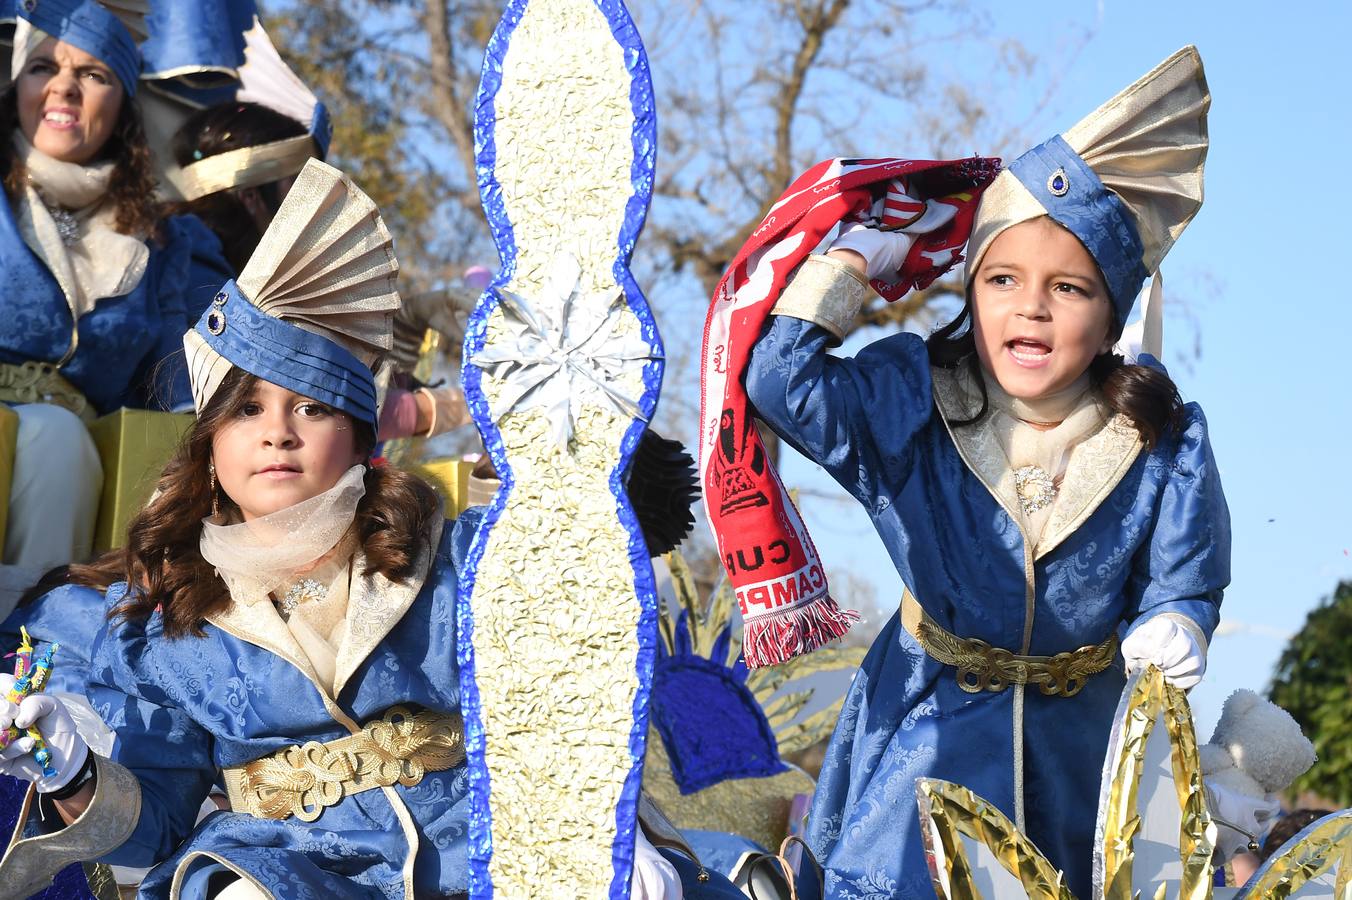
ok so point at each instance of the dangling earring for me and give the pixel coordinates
(215, 501)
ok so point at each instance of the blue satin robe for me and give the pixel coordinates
(122, 340)
(183, 709)
(1159, 543)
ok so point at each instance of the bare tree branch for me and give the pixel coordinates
(449, 105)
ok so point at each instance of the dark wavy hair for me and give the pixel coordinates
(1147, 397)
(220, 129)
(163, 564)
(133, 184)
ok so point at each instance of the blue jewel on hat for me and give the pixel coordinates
(1058, 185)
(215, 321)
(288, 355)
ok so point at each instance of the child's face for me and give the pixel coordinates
(1040, 310)
(280, 449)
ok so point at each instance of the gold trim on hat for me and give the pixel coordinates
(245, 167)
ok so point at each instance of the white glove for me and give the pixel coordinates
(1170, 647)
(884, 252)
(654, 877)
(1240, 818)
(69, 750)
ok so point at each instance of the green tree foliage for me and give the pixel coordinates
(1313, 682)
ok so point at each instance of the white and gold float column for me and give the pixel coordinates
(563, 366)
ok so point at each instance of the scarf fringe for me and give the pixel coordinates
(778, 637)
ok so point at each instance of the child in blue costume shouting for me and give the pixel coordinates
(1046, 503)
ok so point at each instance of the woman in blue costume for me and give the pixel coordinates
(1044, 502)
(281, 592)
(96, 292)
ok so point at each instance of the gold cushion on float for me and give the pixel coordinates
(134, 446)
(450, 479)
(9, 442)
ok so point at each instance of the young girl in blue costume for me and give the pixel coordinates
(278, 591)
(96, 291)
(1045, 503)
(282, 620)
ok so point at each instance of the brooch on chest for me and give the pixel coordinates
(67, 225)
(303, 591)
(1035, 487)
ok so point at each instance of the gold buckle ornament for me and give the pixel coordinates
(40, 382)
(982, 667)
(305, 779)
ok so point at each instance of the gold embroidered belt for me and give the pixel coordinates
(982, 667)
(40, 382)
(305, 779)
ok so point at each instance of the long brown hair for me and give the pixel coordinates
(1147, 397)
(161, 560)
(132, 186)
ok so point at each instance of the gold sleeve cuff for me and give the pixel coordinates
(825, 292)
(30, 864)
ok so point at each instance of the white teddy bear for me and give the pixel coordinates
(1255, 754)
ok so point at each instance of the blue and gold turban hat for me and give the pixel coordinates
(313, 309)
(88, 24)
(1126, 180)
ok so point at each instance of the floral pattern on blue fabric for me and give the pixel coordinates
(1159, 542)
(129, 349)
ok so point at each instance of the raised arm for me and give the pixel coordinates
(852, 416)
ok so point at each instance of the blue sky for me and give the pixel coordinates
(1259, 330)
(1256, 282)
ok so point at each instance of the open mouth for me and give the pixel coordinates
(1028, 352)
(59, 118)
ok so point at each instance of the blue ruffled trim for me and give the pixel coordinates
(471, 376)
(641, 173)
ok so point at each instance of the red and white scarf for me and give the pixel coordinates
(770, 559)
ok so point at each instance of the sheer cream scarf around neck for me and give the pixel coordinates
(98, 261)
(312, 540)
(257, 557)
(1078, 411)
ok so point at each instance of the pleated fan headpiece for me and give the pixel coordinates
(1126, 180)
(313, 309)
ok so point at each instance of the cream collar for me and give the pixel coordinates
(65, 219)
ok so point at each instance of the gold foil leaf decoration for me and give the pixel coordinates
(950, 812)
